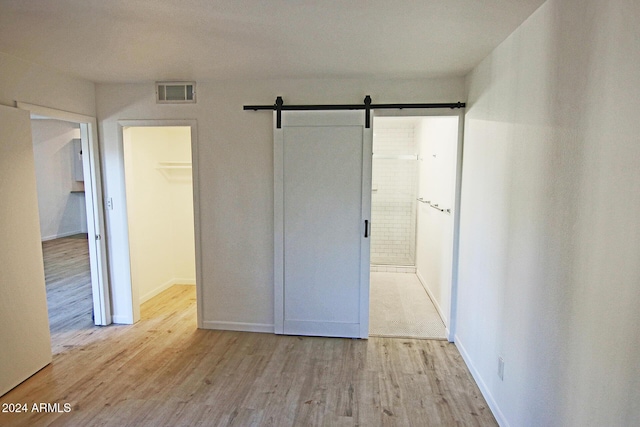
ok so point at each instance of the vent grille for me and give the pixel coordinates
(176, 92)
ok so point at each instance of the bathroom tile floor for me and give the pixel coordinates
(400, 307)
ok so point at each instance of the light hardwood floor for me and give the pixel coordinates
(68, 281)
(163, 371)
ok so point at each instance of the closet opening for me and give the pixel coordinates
(415, 173)
(159, 211)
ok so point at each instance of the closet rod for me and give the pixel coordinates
(366, 105)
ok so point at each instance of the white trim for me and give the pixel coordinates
(93, 202)
(184, 281)
(323, 329)
(278, 228)
(453, 307)
(157, 291)
(433, 299)
(67, 116)
(493, 405)
(195, 183)
(239, 326)
(122, 320)
(146, 297)
(365, 242)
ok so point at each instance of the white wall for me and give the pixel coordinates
(33, 84)
(159, 208)
(438, 146)
(235, 150)
(549, 267)
(62, 213)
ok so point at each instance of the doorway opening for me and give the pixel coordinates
(57, 152)
(160, 209)
(415, 172)
(71, 218)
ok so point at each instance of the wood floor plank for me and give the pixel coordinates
(68, 283)
(164, 371)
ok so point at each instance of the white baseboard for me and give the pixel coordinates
(238, 326)
(61, 235)
(179, 281)
(495, 409)
(434, 300)
(146, 297)
(122, 320)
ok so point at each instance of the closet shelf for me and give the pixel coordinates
(395, 157)
(175, 171)
(174, 165)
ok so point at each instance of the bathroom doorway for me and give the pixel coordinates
(414, 209)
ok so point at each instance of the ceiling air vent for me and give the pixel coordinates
(176, 92)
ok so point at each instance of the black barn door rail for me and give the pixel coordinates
(279, 107)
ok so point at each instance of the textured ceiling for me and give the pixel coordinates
(146, 40)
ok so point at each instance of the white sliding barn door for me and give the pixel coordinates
(322, 187)
(25, 344)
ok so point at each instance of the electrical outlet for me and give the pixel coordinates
(501, 368)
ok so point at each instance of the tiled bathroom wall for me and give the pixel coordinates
(393, 216)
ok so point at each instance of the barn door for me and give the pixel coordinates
(322, 188)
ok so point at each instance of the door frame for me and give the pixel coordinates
(120, 229)
(279, 232)
(93, 205)
(453, 309)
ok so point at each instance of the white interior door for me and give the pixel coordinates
(25, 343)
(322, 213)
(95, 225)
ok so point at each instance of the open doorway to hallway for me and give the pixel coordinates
(413, 198)
(66, 191)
